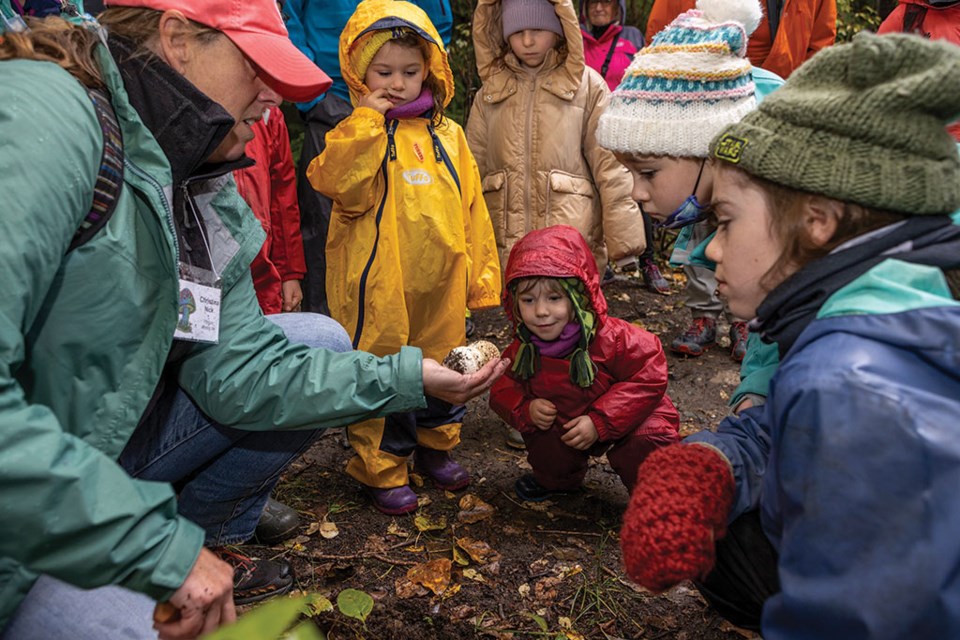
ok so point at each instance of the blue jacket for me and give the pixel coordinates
(315, 27)
(854, 463)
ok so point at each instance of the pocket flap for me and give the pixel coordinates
(494, 181)
(561, 182)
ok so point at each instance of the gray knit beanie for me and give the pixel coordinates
(529, 14)
(860, 122)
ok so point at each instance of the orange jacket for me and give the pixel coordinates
(806, 26)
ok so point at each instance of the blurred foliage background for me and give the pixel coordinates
(853, 16)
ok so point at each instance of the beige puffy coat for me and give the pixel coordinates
(534, 137)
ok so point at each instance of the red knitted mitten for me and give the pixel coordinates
(678, 509)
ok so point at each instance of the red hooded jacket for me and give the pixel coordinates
(629, 392)
(270, 188)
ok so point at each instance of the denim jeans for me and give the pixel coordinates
(223, 477)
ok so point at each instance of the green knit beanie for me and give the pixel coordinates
(861, 122)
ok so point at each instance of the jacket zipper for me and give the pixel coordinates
(168, 210)
(391, 154)
(440, 155)
(529, 153)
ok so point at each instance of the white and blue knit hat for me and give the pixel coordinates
(692, 81)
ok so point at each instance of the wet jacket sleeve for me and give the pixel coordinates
(622, 223)
(477, 136)
(349, 169)
(483, 268)
(640, 368)
(757, 369)
(255, 379)
(509, 400)
(66, 509)
(286, 247)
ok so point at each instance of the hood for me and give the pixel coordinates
(621, 21)
(557, 252)
(497, 65)
(374, 15)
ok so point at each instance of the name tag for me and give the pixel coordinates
(198, 313)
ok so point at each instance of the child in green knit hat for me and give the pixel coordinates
(582, 383)
(838, 231)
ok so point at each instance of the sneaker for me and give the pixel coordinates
(608, 276)
(446, 472)
(652, 278)
(394, 502)
(256, 579)
(527, 488)
(738, 340)
(515, 439)
(698, 337)
(278, 522)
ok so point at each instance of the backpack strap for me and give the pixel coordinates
(606, 62)
(110, 175)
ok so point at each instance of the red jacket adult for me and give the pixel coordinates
(805, 27)
(939, 21)
(628, 395)
(269, 187)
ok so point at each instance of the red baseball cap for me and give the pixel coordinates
(257, 29)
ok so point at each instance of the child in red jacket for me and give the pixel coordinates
(582, 383)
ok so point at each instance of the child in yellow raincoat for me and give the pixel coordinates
(410, 244)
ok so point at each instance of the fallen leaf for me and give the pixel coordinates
(459, 557)
(545, 590)
(406, 589)
(423, 501)
(354, 603)
(312, 529)
(461, 612)
(423, 523)
(479, 551)
(416, 479)
(524, 590)
(450, 591)
(473, 509)
(329, 530)
(473, 574)
(434, 575)
(394, 529)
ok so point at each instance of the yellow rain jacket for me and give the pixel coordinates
(410, 245)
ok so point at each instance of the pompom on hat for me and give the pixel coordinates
(692, 81)
(257, 29)
(518, 15)
(861, 122)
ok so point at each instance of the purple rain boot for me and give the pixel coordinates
(395, 501)
(439, 465)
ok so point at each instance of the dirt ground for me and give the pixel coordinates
(482, 564)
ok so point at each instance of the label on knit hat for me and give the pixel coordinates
(730, 148)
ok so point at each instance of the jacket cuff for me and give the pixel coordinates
(177, 560)
(410, 377)
(603, 428)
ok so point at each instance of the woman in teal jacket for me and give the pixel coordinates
(91, 370)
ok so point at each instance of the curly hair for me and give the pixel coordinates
(72, 46)
(56, 40)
